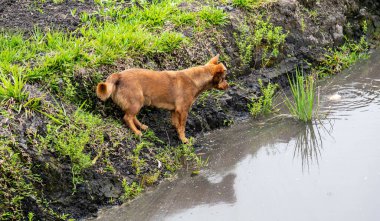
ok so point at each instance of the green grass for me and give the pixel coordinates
(173, 158)
(302, 100)
(184, 19)
(170, 159)
(263, 104)
(213, 94)
(12, 84)
(313, 14)
(131, 190)
(302, 24)
(245, 44)
(270, 37)
(53, 57)
(70, 136)
(213, 16)
(264, 40)
(249, 4)
(16, 183)
(150, 178)
(242, 3)
(187, 152)
(138, 162)
(343, 57)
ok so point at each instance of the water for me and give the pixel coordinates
(281, 169)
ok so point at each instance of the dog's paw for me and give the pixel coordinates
(138, 133)
(185, 140)
(144, 127)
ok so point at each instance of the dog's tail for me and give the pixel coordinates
(105, 89)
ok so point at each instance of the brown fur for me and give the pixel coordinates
(175, 91)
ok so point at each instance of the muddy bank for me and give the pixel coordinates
(311, 28)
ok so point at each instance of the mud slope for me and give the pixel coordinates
(311, 28)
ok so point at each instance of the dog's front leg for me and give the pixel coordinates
(175, 119)
(129, 119)
(139, 124)
(180, 124)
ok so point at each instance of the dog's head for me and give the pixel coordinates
(219, 73)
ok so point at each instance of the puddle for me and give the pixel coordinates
(283, 169)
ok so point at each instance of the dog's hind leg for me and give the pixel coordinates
(139, 124)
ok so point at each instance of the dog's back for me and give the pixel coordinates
(150, 88)
(161, 89)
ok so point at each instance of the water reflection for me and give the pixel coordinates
(211, 192)
(309, 142)
(178, 196)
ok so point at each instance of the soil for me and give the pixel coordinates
(304, 46)
(28, 14)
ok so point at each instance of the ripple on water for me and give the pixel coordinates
(356, 96)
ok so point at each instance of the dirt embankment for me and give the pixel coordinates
(311, 26)
(27, 14)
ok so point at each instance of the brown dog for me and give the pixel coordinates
(172, 90)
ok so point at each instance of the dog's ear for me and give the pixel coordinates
(218, 69)
(214, 60)
(217, 72)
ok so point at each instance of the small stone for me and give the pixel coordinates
(335, 97)
(312, 39)
(363, 12)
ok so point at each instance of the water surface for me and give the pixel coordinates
(281, 169)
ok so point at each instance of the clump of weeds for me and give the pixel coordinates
(263, 104)
(303, 94)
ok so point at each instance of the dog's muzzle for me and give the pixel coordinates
(223, 85)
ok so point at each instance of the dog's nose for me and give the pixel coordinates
(226, 86)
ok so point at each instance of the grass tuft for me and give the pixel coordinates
(264, 104)
(12, 84)
(131, 190)
(16, 183)
(213, 16)
(249, 4)
(69, 137)
(264, 41)
(53, 57)
(302, 98)
(343, 57)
